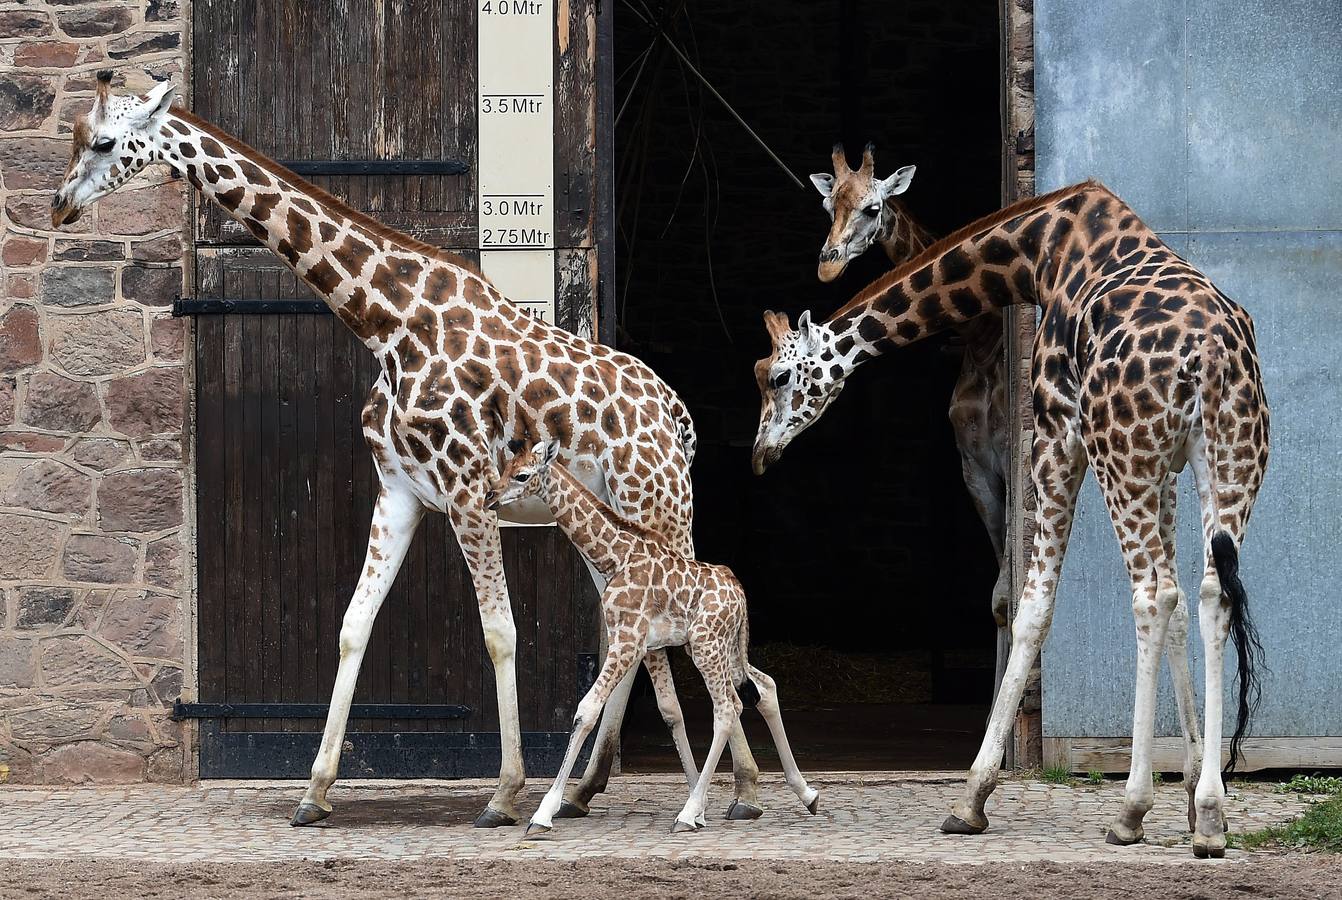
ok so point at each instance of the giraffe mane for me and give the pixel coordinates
(363, 219)
(604, 509)
(904, 269)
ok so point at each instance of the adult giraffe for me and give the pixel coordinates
(1140, 366)
(866, 211)
(463, 374)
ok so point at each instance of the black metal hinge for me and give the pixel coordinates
(182, 710)
(191, 306)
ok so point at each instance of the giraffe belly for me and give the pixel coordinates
(665, 632)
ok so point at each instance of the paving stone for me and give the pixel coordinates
(88, 761)
(863, 817)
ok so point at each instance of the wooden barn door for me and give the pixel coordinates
(376, 103)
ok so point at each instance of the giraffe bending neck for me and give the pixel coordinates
(997, 261)
(367, 273)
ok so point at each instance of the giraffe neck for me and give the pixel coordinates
(599, 533)
(367, 273)
(901, 237)
(1003, 259)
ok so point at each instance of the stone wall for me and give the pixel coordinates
(94, 542)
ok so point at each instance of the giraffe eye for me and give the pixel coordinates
(523, 477)
(872, 210)
(782, 378)
(102, 145)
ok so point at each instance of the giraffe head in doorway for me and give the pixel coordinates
(861, 206)
(111, 145)
(797, 383)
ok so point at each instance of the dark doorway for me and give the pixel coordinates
(868, 572)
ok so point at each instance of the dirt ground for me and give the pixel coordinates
(1293, 875)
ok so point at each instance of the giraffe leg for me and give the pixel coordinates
(1209, 832)
(395, 517)
(1176, 652)
(620, 666)
(1155, 594)
(664, 685)
(1059, 465)
(478, 535)
(726, 710)
(769, 709)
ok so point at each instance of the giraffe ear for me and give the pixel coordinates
(899, 182)
(548, 451)
(157, 101)
(824, 183)
(810, 332)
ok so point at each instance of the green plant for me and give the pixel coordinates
(1057, 775)
(1095, 777)
(1157, 777)
(1311, 784)
(1320, 828)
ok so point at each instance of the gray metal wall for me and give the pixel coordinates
(1220, 123)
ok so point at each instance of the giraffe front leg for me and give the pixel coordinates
(621, 666)
(478, 534)
(395, 517)
(664, 686)
(1059, 465)
(1152, 606)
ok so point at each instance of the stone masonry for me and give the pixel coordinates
(94, 542)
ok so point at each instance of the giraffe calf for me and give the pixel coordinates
(654, 598)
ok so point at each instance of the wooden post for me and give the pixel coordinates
(1025, 750)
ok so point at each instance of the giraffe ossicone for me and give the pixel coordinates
(655, 597)
(1141, 365)
(463, 372)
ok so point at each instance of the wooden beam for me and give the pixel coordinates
(1090, 754)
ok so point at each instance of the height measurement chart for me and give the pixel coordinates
(515, 177)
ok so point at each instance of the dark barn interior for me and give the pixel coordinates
(867, 569)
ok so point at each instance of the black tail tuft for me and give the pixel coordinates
(749, 694)
(1248, 649)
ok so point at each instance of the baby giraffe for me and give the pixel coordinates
(654, 598)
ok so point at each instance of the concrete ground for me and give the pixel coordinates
(863, 817)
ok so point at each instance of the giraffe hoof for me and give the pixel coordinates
(683, 827)
(308, 814)
(740, 810)
(535, 830)
(572, 809)
(956, 825)
(1209, 848)
(492, 818)
(813, 805)
(1120, 840)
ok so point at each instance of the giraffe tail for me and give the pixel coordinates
(747, 690)
(684, 426)
(1225, 559)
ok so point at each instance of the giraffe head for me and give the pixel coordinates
(524, 475)
(797, 382)
(117, 139)
(856, 202)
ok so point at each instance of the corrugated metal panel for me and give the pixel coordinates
(1220, 123)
